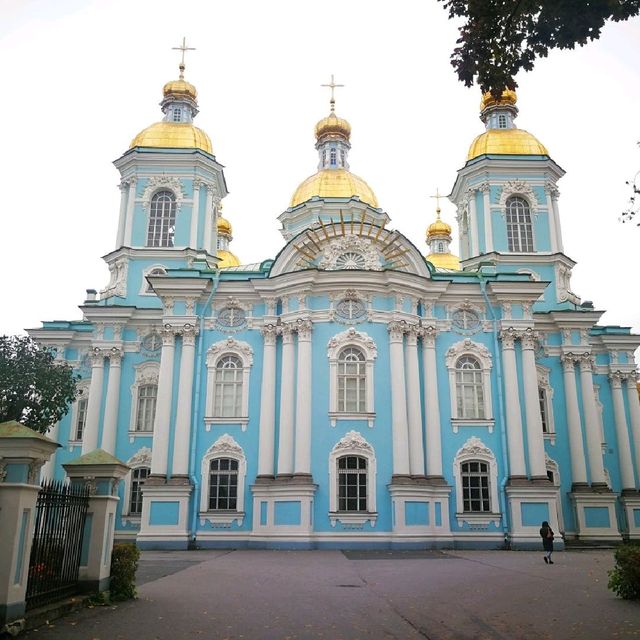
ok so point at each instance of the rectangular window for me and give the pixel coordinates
(475, 487)
(223, 484)
(542, 397)
(147, 398)
(138, 476)
(352, 483)
(81, 418)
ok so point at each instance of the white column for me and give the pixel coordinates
(195, 210)
(548, 189)
(94, 402)
(512, 400)
(556, 218)
(485, 188)
(399, 426)
(416, 451)
(109, 430)
(266, 444)
(473, 215)
(182, 436)
(535, 437)
(121, 216)
(131, 201)
(592, 426)
(622, 431)
(161, 423)
(634, 416)
(285, 432)
(576, 446)
(304, 395)
(208, 222)
(432, 403)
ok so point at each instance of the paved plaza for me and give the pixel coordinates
(292, 595)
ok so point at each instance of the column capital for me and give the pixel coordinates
(168, 335)
(551, 190)
(270, 332)
(189, 333)
(529, 338)
(617, 378)
(429, 335)
(287, 330)
(568, 360)
(397, 329)
(115, 355)
(586, 362)
(304, 327)
(484, 187)
(508, 337)
(414, 331)
(96, 355)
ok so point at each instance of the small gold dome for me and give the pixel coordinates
(224, 226)
(508, 97)
(227, 259)
(173, 135)
(444, 261)
(515, 142)
(334, 183)
(180, 89)
(333, 126)
(438, 228)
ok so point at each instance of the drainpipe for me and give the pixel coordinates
(501, 407)
(196, 410)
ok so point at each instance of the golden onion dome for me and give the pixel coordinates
(332, 125)
(173, 135)
(334, 183)
(438, 228)
(224, 226)
(180, 89)
(227, 259)
(515, 142)
(508, 97)
(444, 261)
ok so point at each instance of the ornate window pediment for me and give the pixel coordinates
(350, 252)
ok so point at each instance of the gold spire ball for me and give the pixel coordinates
(335, 182)
(176, 135)
(438, 239)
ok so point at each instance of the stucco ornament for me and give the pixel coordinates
(232, 345)
(474, 447)
(467, 346)
(353, 441)
(117, 279)
(350, 252)
(518, 188)
(351, 336)
(225, 444)
(141, 458)
(158, 183)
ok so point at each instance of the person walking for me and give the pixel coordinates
(546, 533)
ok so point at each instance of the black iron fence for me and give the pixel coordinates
(57, 543)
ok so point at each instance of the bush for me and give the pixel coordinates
(624, 578)
(124, 564)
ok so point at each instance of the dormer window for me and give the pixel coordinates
(333, 157)
(502, 121)
(177, 115)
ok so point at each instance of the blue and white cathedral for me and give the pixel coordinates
(351, 392)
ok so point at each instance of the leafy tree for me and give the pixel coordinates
(34, 389)
(501, 37)
(634, 200)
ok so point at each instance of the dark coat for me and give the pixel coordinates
(547, 542)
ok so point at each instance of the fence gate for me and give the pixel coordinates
(57, 543)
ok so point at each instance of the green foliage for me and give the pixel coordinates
(500, 38)
(34, 389)
(624, 578)
(124, 564)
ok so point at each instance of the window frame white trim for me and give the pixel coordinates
(244, 352)
(82, 386)
(353, 444)
(352, 338)
(141, 458)
(475, 450)
(147, 372)
(224, 447)
(482, 354)
(544, 383)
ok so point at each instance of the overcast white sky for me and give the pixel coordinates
(81, 78)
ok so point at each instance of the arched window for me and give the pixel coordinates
(475, 486)
(138, 477)
(154, 271)
(223, 484)
(333, 158)
(227, 400)
(352, 380)
(440, 247)
(228, 365)
(146, 411)
(352, 483)
(519, 227)
(469, 388)
(162, 220)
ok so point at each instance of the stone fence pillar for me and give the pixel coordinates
(101, 473)
(22, 454)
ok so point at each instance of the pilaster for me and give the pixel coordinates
(113, 400)
(94, 403)
(266, 436)
(399, 427)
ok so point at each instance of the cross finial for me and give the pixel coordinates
(183, 48)
(437, 197)
(332, 85)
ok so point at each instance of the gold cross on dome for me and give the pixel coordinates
(437, 197)
(183, 48)
(332, 85)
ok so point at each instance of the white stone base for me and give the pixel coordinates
(165, 515)
(415, 513)
(587, 530)
(525, 532)
(631, 506)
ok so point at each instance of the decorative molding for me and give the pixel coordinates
(141, 458)
(117, 286)
(468, 346)
(353, 441)
(243, 349)
(517, 188)
(350, 252)
(351, 336)
(158, 183)
(223, 446)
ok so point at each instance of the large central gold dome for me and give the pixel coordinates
(334, 183)
(173, 135)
